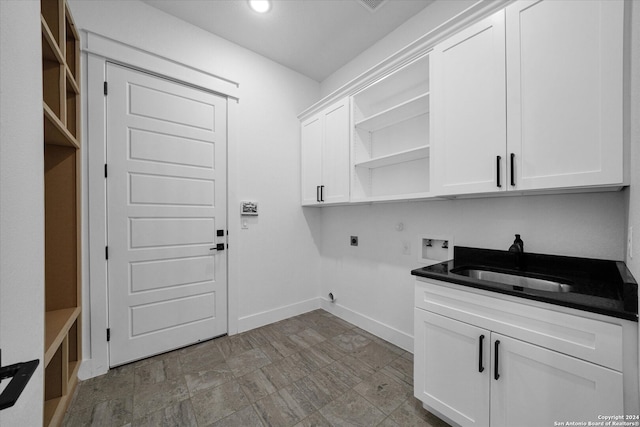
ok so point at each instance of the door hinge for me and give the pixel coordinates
(105, 170)
(108, 334)
(106, 252)
(105, 88)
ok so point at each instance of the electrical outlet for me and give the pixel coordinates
(630, 243)
(354, 240)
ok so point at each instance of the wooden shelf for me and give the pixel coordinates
(50, 49)
(71, 80)
(57, 325)
(52, 409)
(395, 158)
(407, 110)
(61, 122)
(55, 132)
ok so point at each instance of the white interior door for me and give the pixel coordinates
(166, 199)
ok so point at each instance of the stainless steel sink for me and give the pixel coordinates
(513, 280)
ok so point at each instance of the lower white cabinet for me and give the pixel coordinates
(534, 386)
(475, 376)
(451, 368)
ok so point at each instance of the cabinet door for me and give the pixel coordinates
(537, 386)
(469, 112)
(451, 372)
(564, 86)
(335, 153)
(311, 160)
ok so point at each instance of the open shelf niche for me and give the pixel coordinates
(390, 140)
(61, 116)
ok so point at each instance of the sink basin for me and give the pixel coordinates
(518, 282)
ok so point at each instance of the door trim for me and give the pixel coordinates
(96, 52)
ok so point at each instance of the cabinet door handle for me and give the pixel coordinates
(317, 193)
(496, 375)
(480, 367)
(513, 173)
(498, 183)
(322, 193)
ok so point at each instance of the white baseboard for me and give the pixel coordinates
(271, 316)
(379, 329)
(89, 369)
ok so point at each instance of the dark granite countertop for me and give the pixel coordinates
(598, 286)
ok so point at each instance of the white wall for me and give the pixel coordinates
(372, 282)
(277, 256)
(21, 203)
(633, 192)
(634, 121)
(426, 20)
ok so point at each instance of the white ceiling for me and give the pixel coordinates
(313, 37)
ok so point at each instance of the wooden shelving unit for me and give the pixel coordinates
(61, 116)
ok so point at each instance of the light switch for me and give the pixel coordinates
(245, 223)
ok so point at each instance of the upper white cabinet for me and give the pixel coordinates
(564, 92)
(527, 99)
(469, 111)
(325, 156)
(390, 139)
(553, 121)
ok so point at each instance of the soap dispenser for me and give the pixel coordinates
(518, 245)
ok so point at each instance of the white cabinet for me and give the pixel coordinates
(451, 368)
(484, 361)
(390, 139)
(325, 156)
(553, 120)
(532, 386)
(469, 110)
(565, 93)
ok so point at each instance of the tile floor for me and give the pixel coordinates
(311, 370)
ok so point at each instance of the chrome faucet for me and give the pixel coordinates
(518, 245)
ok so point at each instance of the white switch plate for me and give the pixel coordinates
(630, 243)
(406, 247)
(245, 223)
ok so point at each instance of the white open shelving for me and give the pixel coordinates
(396, 114)
(390, 157)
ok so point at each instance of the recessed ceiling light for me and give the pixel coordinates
(260, 6)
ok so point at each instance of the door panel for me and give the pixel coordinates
(335, 154)
(448, 360)
(538, 387)
(469, 115)
(166, 197)
(564, 90)
(311, 159)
